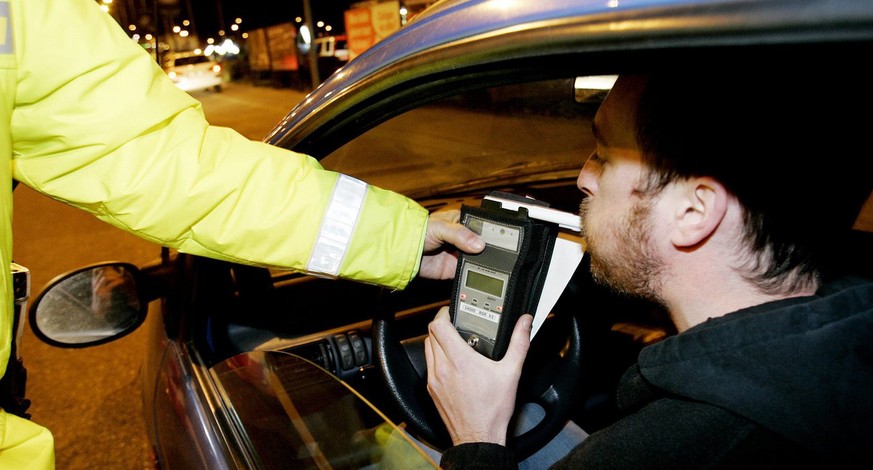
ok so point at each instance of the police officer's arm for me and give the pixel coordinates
(443, 228)
(98, 125)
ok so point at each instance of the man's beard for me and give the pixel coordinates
(620, 251)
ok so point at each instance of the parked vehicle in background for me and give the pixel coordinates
(192, 71)
(258, 368)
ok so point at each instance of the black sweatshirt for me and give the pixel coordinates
(783, 383)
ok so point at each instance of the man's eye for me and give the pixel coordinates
(596, 158)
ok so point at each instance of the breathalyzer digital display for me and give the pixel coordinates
(492, 285)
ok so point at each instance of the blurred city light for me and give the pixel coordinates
(227, 47)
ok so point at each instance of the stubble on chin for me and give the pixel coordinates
(619, 251)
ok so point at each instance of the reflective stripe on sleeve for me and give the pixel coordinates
(337, 227)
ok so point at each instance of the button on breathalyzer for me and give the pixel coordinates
(493, 288)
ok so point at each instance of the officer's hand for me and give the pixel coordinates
(443, 228)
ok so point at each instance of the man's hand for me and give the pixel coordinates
(442, 228)
(474, 395)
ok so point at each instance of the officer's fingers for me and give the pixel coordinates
(449, 215)
(443, 227)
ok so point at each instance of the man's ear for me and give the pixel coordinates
(700, 209)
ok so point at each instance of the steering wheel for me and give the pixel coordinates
(550, 379)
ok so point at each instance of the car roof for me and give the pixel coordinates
(458, 40)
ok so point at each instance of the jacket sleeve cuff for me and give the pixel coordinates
(478, 456)
(417, 267)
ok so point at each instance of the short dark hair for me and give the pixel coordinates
(790, 142)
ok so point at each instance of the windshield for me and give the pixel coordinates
(524, 132)
(293, 414)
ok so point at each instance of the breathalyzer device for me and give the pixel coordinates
(493, 288)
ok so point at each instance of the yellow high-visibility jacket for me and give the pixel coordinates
(90, 119)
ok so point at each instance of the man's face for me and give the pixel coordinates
(616, 216)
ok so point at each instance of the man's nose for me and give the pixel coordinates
(586, 182)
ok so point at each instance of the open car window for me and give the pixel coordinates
(526, 132)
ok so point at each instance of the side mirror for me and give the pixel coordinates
(89, 306)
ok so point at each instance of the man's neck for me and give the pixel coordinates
(706, 296)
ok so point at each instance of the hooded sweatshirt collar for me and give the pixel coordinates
(800, 367)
